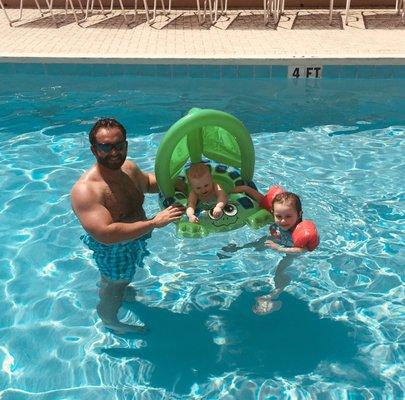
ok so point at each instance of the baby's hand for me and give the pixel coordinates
(272, 245)
(217, 212)
(193, 219)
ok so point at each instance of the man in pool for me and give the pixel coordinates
(108, 201)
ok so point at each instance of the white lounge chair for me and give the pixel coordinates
(272, 7)
(48, 10)
(399, 8)
(150, 15)
(331, 2)
(202, 11)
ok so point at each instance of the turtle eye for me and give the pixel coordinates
(230, 210)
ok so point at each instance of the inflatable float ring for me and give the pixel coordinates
(226, 143)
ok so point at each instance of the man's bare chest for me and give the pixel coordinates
(123, 199)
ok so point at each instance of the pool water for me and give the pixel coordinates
(339, 144)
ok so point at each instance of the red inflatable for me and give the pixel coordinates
(306, 235)
(267, 201)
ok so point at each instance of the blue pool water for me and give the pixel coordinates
(338, 143)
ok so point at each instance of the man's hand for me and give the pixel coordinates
(169, 214)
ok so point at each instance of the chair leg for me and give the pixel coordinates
(265, 4)
(215, 19)
(123, 12)
(85, 13)
(210, 8)
(11, 21)
(200, 19)
(150, 20)
(347, 12)
(146, 7)
(49, 3)
(330, 12)
(278, 8)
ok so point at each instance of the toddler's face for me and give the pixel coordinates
(285, 215)
(203, 185)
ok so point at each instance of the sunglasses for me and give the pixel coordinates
(108, 147)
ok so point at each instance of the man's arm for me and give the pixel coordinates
(146, 180)
(97, 220)
(152, 186)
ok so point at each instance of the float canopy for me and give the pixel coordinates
(210, 134)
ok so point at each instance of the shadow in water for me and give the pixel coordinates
(288, 342)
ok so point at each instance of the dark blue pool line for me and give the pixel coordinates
(202, 70)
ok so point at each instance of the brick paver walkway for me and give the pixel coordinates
(375, 35)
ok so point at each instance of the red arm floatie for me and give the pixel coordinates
(267, 201)
(305, 235)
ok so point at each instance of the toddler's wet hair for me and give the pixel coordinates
(288, 197)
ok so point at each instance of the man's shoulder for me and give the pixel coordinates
(89, 183)
(130, 166)
(132, 170)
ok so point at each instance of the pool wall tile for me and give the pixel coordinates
(246, 71)
(164, 70)
(212, 71)
(348, 72)
(115, 69)
(29, 68)
(147, 70)
(365, 71)
(383, 72)
(100, 70)
(130, 69)
(229, 71)
(398, 71)
(279, 71)
(331, 71)
(196, 71)
(7, 68)
(180, 71)
(262, 71)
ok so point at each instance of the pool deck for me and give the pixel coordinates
(371, 37)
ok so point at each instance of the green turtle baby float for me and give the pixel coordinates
(223, 142)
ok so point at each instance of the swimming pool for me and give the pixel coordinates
(338, 143)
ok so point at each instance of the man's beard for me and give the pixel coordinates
(108, 163)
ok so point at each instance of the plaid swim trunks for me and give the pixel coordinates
(118, 261)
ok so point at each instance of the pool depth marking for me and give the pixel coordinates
(306, 72)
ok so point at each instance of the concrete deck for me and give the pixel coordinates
(372, 37)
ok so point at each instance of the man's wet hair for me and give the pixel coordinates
(105, 123)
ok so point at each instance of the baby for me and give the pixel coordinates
(204, 192)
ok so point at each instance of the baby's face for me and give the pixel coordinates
(285, 215)
(203, 185)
